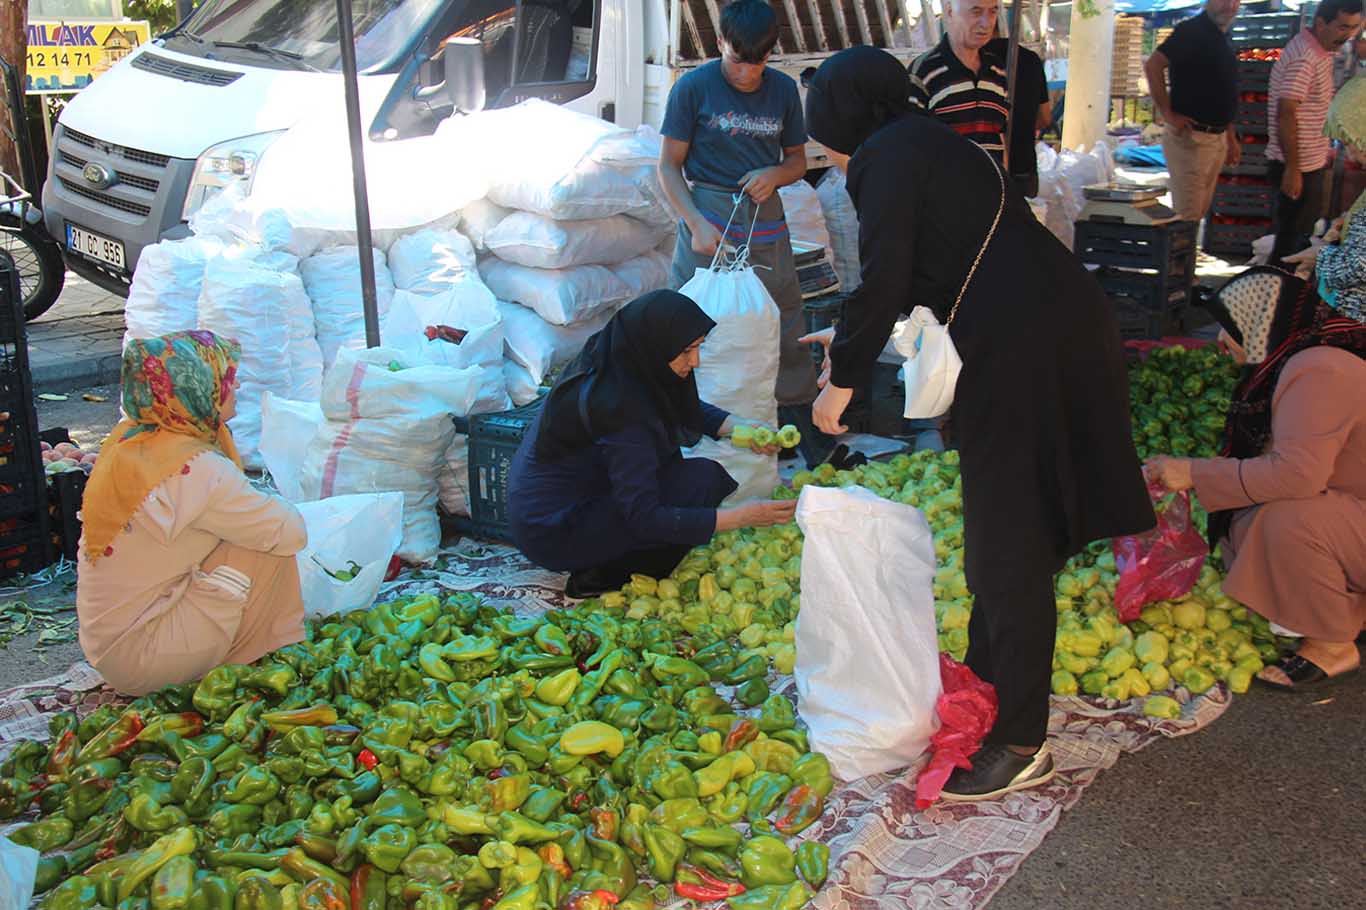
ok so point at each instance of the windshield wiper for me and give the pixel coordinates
(290, 57)
(187, 34)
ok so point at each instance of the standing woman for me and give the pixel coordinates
(1041, 411)
(599, 487)
(733, 127)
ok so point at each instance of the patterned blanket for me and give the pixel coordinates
(884, 852)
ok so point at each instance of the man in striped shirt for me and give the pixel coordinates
(961, 82)
(1301, 90)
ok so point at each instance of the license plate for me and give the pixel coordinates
(93, 245)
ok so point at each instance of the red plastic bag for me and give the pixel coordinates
(1162, 564)
(967, 711)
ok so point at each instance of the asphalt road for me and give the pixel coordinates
(1263, 810)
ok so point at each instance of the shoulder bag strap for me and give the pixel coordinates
(995, 223)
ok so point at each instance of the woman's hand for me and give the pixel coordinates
(824, 338)
(828, 409)
(732, 422)
(1174, 474)
(762, 514)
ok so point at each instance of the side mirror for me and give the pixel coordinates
(462, 62)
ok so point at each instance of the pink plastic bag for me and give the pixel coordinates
(1162, 564)
(967, 711)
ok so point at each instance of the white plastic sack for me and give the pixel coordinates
(560, 296)
(453, 480)
(805, 217)
(364, 529)
(287, 430)
(522, 389)
(841, 219)
(389, 430)
(468, 305)
(18, 873)
(479, 219)
(430, 261)
(739, 369)
(534, 240)
(867, 669)
(232, 217)
(164, 296)
(649, 272)
(332, 279)
(932, 364)
(540, 346)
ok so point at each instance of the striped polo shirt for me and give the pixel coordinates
(975, 105)
(1304, 74)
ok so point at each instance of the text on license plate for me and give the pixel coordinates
(93, 245)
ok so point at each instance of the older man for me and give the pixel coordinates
(961, 82)
(1200, 139)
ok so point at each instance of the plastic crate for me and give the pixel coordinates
(1254, 75)
(64, 495)
(1165, 247)
(1265, 30)
(1235, 239)
(1253, 162)
(1145, 306)
(493, 441)
(1245, 200)
(23, 544)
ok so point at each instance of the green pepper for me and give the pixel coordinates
(664, 849)
(672, 780)
(614, 863)
(776, 714)
(620, 711)
(255, 892)
(772, 755)
(388, 845)
(51, 870)
(794, 737)
(772, 897)
(766, 860)
(752, 667)
(551, 639)
(765, 790)
(516, 828)
(320, 715)
(181, 842)
(813, 770)
(253, 786)
(556, 690)
(813, 861)
(146, 814)
(304, 869)
(89, 788)
(488, 720)
(216, 693)
(397, 805)
(800, 809)
(113, 739)
(362, 789)
(211, 892)
(679, 815)
(173, 884)
(429, 863)
(675, 671)
(715, 837)
(660, 717)
(76, 893)
(591, 737)
(368, 888)
(234, 821)
(45, 835)
(753, 692)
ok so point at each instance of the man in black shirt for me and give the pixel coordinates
(1031, 111)
(1200, 139)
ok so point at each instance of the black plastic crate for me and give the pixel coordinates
(64, 494)
(1265, 30)
(1245, 200)
(493, 441)
(1253, 162)
(1145, 305)
(1235, 239)
(23, 544)
(1165, 247)
(1254, 75)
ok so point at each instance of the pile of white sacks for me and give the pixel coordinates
(568, 232)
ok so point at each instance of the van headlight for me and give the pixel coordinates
(223, 164)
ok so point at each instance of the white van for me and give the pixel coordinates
(141, 148)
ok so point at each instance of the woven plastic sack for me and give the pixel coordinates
(430, 261)
(644, 274)
(559, 296)
(164, 296)
(841, 220)
(478, 220)
(540, 346)
(966, 711)
(1164, 563)
(332, 280)
(534, 240)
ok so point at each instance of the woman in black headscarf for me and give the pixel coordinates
(1040, 413)
(599, 487)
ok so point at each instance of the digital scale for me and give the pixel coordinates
(1126, 203)
(815, 273)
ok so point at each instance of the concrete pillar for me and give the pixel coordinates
(1090, 50)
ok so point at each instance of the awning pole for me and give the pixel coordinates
(346, 34)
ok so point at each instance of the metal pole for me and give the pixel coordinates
(346, 34)
(1012, 90)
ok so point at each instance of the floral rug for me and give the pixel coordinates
(884, 851)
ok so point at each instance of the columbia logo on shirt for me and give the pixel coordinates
(739, 124)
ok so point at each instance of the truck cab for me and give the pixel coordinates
(138, 152)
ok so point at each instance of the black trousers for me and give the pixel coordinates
(1010, 645)
(1295, 218)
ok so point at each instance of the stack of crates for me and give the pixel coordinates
(1244, 206)
(1146, 270)
(1126, 68)
(23, 489)
(877, 409)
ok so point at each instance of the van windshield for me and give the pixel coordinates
(307, 29)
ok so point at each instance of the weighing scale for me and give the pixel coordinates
(1126, 203)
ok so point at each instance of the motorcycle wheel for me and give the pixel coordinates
(38, 257)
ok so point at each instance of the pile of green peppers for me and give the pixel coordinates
(1179, 400)
(436, 754)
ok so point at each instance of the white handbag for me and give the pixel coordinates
(932, 361)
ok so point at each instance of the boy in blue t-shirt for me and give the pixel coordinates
(735, 126)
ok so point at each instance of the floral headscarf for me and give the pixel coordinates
(1347, 123)
(174, 389)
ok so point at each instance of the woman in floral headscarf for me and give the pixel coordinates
(183, 565)
(1341, 262)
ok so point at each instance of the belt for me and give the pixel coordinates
(1207, 128)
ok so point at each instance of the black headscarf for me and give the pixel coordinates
(622, 376)
(853, 95)
(1273, 316)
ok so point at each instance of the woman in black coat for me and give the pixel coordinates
(1041, 407)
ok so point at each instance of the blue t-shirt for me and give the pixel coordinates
(731, 132)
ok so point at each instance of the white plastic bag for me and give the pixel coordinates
(560, 296)
(18, 873)
(467, 305)
(364, 529)
(287, 430)
(805, 217)
(534, 240)
(540, 346)
(522, 389)
(867, 669)
(332, 280)
(739, 369)
(841, 220)
(478, 220)
(164, 296)
(932, 364)
(430, 261)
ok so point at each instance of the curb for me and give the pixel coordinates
(72, 374)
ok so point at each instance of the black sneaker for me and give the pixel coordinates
(997, 771)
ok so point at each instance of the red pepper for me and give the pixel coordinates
(553, 856)
(368, 888)
(114, 739)
(366, 759)
(395, 567)
(707, 887)
(445, 333)
(576, 802)
(605, 823)
(743, 732)
(63, 755)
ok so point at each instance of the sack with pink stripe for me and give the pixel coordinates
(386, 427)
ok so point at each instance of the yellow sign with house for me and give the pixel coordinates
(66, 55)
